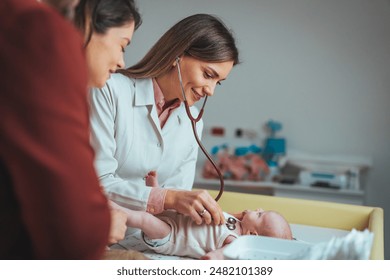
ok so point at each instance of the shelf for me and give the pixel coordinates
(260, 184)
(286, 190)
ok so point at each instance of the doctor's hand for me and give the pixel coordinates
(118, 226)
(199, 205)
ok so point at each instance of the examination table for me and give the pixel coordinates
(313, 213)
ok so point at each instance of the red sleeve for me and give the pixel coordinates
(45, 137)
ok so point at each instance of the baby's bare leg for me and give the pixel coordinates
(153, 227)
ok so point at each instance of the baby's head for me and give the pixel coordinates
(266, 223)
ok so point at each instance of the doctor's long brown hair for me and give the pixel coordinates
(201, 36)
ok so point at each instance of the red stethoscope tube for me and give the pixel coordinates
(193, 123)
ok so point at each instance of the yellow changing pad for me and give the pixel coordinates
(314, 213)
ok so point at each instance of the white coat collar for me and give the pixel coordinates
(144, 94)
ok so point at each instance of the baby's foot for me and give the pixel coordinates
(151, 179)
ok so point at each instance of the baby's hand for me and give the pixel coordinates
(214, 255)
(238, 216)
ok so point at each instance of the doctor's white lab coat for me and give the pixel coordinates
(129, 142)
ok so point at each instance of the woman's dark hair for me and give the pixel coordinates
(64, 7)
(97, 16)
(202, 36)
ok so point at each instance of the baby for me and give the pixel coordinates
(172, 233)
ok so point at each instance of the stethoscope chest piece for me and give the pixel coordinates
(231, 223)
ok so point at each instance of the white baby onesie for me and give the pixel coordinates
(187, 239)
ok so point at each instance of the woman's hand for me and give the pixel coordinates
(118, 226)
(197, 204)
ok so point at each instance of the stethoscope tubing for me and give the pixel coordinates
(193, 124)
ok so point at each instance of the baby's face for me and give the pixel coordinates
(252, 219)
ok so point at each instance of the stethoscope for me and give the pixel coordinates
(231, 223)
(193, 123)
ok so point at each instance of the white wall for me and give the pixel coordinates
(321, 67)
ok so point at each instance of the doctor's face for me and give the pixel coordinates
(200, 78)
(104, 53)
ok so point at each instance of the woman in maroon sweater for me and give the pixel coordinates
(51, 205)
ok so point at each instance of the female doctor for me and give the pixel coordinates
(139, 123)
